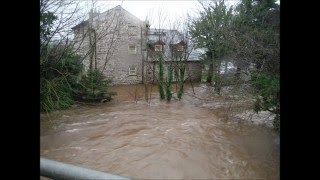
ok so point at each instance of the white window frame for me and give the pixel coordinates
(132, 51)
(156, 48)
(132, 71)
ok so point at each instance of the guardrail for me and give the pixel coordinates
(57, 170)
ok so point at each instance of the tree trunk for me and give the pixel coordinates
(217, 78)
(210, 73)
(225, 67)
(91, 50)
(211, 66)
(95, 49)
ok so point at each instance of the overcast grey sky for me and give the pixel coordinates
(144, 8)
(175, 10)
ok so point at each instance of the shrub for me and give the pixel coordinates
(58, 77)
(169, 84)
(267, 89)
(93, 87)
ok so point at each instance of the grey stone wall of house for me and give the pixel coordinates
(129, 47)
(116, 67)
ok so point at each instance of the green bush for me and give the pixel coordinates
(181, 82)
(58, 77)
(267, 89)
(204, 75)
(169, 84)
(93, 87)
(160, 80)
(228, 80)
(55, 94)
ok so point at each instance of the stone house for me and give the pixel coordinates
(119, 43)
(178, 54)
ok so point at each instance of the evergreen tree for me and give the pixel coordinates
(210, 31)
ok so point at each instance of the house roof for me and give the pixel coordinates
(196, 54)
(169, 36)
(180, 43)
(160, 42)
(84, 23)
(173, 38)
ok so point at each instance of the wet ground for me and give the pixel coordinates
(194, 138)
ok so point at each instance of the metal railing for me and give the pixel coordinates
(57, 170)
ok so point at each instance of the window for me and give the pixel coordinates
(180, 48)
(132, 71)
(132, 33)
(132, 30)
(132, 49)
(157, 47)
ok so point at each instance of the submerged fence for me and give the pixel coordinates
(57, 170)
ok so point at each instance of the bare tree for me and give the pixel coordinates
(67, 29)
(97, 38)
(56, 38)
(170, 38)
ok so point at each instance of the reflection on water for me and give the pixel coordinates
(163, 140)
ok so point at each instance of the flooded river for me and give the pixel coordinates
(160, 140)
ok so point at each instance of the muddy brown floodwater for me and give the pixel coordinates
(163, 140)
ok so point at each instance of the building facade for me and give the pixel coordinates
(177, 52)
(121, 45)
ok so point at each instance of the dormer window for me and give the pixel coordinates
(157, 47)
